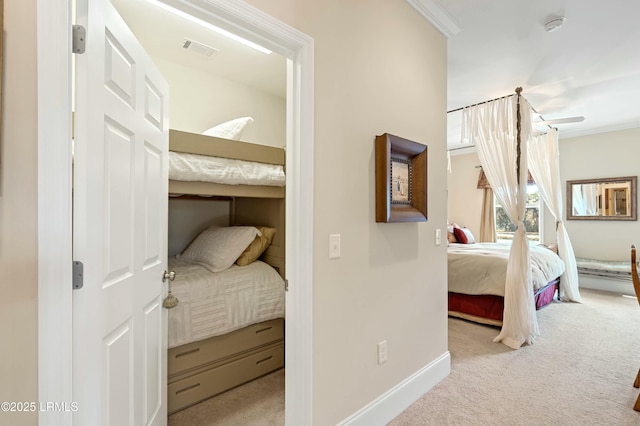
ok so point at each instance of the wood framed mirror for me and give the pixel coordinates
(603, 199)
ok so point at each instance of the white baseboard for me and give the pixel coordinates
(605, 284)
(397, 399)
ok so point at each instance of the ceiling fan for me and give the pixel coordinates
(539, 120)
(566, 120)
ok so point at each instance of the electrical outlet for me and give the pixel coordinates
(438, 237)
(382, 352)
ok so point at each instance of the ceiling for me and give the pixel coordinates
(163, 34)
(589, 67)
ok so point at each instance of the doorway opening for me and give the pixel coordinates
(55, 297)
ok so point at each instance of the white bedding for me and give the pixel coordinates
(211, 304)
(202, 168)
(481, 268)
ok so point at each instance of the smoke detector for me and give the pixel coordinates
(197, 47)
(553, 24)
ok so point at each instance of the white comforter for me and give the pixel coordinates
(202, 168)
(481, 268)
(211, 304)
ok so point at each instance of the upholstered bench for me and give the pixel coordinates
(620, 270)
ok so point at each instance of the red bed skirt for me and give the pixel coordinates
(488, 309)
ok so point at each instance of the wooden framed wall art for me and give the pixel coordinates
(401, 180)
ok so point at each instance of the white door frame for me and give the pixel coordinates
(54, 196)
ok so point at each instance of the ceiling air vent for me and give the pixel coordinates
(197, 47)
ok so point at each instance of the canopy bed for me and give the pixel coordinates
(502, 131)
(227, 300)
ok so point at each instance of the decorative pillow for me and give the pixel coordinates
(229, 130)
(257, 247)
(464, 235)
(451, 237)
(217, 248)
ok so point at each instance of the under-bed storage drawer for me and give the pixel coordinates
(204, 352)
(219, 377)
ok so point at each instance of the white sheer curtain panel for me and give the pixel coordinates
(544, 164)
(585, 198)
(492, 127)
(590, 193)
(578, 201)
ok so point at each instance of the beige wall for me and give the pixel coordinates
(601, 155)
(18, 212)
(379, 67)
(187, 218)
(464, 199)
(200, 101)
(597, 156)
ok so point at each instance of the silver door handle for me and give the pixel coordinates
(168, 276)
(170, 301)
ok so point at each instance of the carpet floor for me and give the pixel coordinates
(257, 403)
(579, 371)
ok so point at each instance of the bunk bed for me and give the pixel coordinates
(205, 360)
(477, 276)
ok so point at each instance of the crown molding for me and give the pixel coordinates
(597, 130)
(433, 12)
(461, 150)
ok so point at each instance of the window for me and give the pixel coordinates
(505, 228)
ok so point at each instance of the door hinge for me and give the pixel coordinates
(78, 275)
(286, 285)
(79, 39)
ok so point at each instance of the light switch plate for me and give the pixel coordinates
(382, 352)
(334, 246)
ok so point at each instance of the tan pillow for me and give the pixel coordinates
(216, 248)
(451, 237)
(257, 247)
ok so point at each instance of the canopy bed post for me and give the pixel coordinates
(501, 129)
(518, 132)
(520, 323)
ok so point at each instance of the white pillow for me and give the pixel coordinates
(229, 130)
(218, 248)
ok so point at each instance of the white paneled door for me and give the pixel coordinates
(119, 225)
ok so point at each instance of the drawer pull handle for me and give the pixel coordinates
(263, 329)
(192, 351)
(264, 360)
(187, 388)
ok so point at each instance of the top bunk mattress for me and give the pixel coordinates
(211, 304)
(203, 168)
(213, 166)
